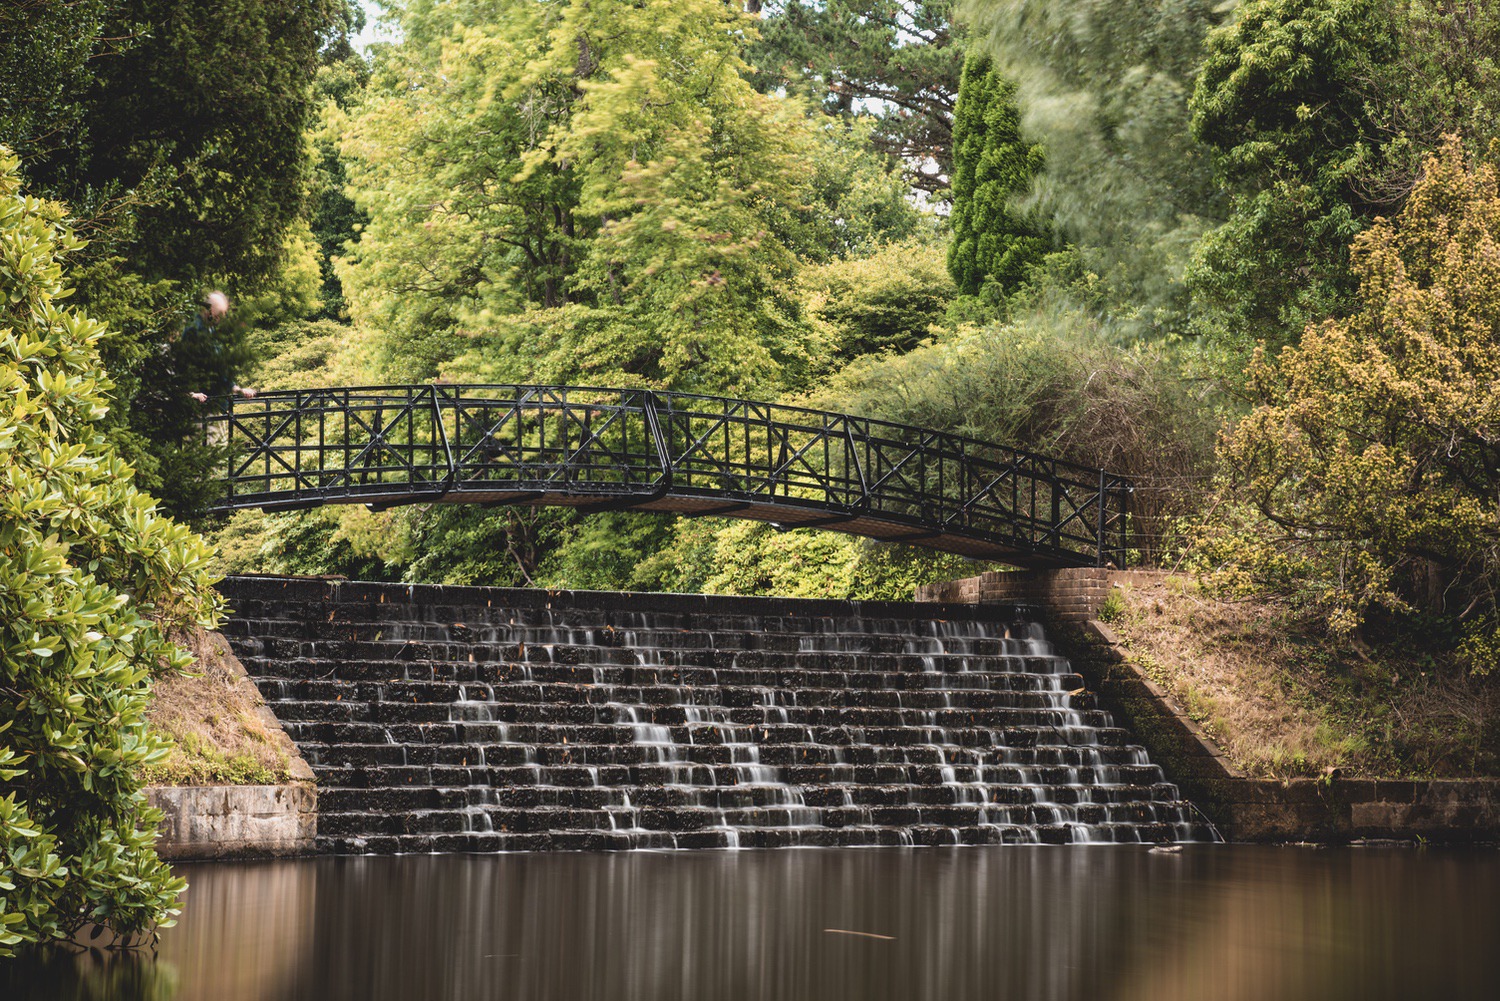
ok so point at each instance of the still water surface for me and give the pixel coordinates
(1097, 923)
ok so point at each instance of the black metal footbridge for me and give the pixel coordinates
(645, 450)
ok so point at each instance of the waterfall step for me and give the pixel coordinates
(478, 719)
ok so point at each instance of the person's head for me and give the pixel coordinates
(215, 306)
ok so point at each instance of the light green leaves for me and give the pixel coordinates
(91, 578)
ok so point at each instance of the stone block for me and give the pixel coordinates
(211, 822)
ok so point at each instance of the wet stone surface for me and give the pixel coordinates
(456, 723)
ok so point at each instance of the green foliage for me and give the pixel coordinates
(91, 577)
(1103, 86)
(209, 158)
(993, 167)
(1051, 382)
(593, 192)
(898, 60)
(174, 130)
(1370, 459)
(1279, 103)
(887, 301)
(334, 218)
(1319, 113)
(48, 44)
(198, 762)
(710, 556)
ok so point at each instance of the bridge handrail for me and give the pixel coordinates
(434, 467)
(1088, 473)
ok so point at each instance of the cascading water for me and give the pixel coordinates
(465, 719)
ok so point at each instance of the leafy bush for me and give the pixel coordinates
(713, 556)
(91, 577)
(886, 301)
(1366, 477)
(1052, 383)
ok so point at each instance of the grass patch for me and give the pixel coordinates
(1284, 699)
(217, 722)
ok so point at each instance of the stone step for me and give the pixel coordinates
(1009, 728)
(294, 639)
(1039, 707)
(784, 837)
(474, 696)
(989, 621)
(430, 796)
(437, 756)
(724, 657)
(336, 823)
(978, 676)
(723, 775)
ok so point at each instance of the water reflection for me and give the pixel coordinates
(1024, 923)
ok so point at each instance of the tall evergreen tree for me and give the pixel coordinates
(1103, 85)
(993, 165)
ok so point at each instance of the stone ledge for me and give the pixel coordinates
(224, 822)
(323, 596)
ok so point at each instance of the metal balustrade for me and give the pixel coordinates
(599, 449)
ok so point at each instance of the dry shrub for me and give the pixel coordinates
(1053, 382)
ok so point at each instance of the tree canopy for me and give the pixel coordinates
(993, 168)
(620, 201)
(1374, 449)
(898, 60)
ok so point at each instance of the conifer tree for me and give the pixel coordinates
(993, 165)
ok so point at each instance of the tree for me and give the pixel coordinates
(1373, 455)
(1103, 86)
(614, 203)
(185, 165)
(898, 60)
(1278, 103)
(993, 168)
(1319, 114)
(92, 579)
(46, 48)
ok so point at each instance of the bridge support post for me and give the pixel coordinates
(1067, 597)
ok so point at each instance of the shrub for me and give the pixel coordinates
(1366, 477)
(91, 578)
(1051, 382)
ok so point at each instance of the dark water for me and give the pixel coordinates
(1212, 922)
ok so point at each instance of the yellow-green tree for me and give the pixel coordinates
(1374, 451)
(92, 577)
(594, 191)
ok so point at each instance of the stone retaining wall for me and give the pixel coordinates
(223, 822)
(249, 821)
(1068, 596)
(1332, 809)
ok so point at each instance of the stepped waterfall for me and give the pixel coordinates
(487, 719)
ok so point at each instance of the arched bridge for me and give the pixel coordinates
(599, 449)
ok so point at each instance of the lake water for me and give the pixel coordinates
(1210, 922)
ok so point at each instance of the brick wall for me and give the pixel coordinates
(1066, 596)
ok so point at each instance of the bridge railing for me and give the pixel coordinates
(504, 444)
